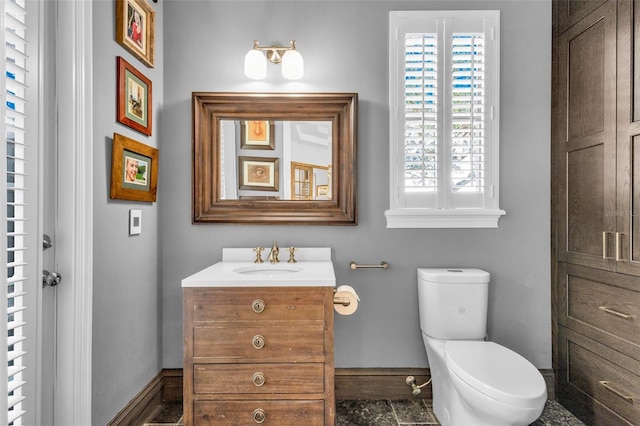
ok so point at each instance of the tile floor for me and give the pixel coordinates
(419, 412)
(382, 413)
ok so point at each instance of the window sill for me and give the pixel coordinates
(443, 218)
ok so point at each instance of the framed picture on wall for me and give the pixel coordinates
(257, 134)
(259, 173)
(134, 98)
(134, 170)
(135, 28)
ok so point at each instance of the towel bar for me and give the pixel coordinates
(382, 265)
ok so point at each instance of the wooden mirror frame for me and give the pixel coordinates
(209, 108)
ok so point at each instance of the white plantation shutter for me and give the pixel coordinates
(467, 109)
(444, 76)
(13, 215)
(421, 113)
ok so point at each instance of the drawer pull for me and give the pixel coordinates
(616, 313)
(616, 392)
(257, 341)
(258, 305)
(258, 379)
(259, 415)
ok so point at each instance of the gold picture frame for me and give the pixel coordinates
(135, 29)
(259, 173)
(134, 170)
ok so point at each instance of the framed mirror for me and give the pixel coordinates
(275, 158)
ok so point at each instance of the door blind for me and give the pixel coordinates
(14, 256)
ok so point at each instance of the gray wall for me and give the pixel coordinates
(344, 44)
(200, 46)
(126, 305)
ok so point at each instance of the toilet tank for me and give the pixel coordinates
(453, 302)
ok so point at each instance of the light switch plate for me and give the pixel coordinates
(135, 222)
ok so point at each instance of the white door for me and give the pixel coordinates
(49, 382)
(72, 203)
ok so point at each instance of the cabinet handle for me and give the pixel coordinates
(605, 245)
(258, 305)
(259, 415)
(259, 379)
(257, 341)
(616, 313)
(618, 247)
(616, 392)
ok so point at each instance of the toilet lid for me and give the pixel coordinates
(497, 372)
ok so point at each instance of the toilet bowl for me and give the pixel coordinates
(474, 382)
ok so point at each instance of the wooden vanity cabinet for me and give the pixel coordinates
(258, 355)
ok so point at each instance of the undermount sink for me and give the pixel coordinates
(238, 269)
(267, 269)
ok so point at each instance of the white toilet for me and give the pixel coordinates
(475, 382)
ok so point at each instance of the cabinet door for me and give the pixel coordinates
(585, 142)
(627, 244)
(572, 11)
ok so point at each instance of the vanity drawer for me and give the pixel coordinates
(603, 374)
(603, 305)
(259, 341)
(274, 413)
(259, 378)
(256, 303)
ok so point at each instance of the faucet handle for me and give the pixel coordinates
(258, 251)
(291, 255)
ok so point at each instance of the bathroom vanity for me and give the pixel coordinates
(259, 341)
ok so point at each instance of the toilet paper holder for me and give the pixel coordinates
(344, 301)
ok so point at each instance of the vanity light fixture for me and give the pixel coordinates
(255, 61)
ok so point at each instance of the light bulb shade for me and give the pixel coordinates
(255, 65)
(292, 65)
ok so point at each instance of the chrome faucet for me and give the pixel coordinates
(273, 254)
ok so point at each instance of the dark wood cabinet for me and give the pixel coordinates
(596, 209)
(586, 137)
(627, 215)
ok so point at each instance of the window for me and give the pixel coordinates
(443, 95)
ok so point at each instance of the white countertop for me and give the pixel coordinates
(314, 268)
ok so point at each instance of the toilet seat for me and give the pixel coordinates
(497, 372)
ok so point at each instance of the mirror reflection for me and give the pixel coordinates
(275, 160)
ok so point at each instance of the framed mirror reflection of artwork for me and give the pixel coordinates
(275, 158)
